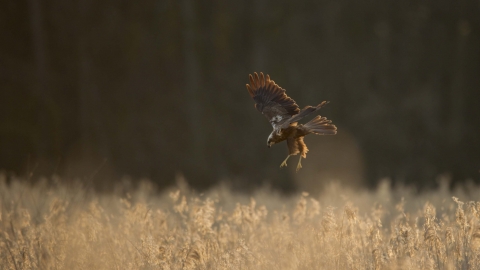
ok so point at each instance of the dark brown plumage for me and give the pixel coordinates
(283, 114)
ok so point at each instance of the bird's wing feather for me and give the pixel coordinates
(271, 100)
(318, 125)
(304, 112)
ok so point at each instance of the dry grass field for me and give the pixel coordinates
(60, 226)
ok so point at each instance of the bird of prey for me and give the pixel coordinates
(283, 113)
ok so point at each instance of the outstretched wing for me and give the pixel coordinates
(271, 100)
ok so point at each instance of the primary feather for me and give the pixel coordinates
(271, 100)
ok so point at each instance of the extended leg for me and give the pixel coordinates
(284, 163)
(299, 163)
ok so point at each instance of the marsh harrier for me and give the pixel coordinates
(283, 113)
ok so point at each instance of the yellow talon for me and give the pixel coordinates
(284, 163)
(299, 163)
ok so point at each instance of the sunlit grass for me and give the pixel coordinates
(55, 226)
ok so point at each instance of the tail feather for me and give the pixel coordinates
(304, 112)
(321, 126)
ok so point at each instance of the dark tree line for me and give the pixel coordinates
(154, 88)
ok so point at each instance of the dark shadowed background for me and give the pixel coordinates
(157, 88)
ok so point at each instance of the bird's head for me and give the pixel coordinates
(270, 142)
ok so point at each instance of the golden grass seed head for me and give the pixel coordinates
(430, 235)
(300, 210)
(449, 237)
(472, 209)
(429, 212)
(328, 221)
(182, 206)
(351, 213)
(204, 216)
(460, 218)
(314, 209)
(175, 195)
(475, 239)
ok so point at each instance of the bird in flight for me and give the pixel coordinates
(283, 114)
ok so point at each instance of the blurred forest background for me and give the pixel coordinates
(155, 88)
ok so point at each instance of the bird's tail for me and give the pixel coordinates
(321, 126)
(304, 112)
